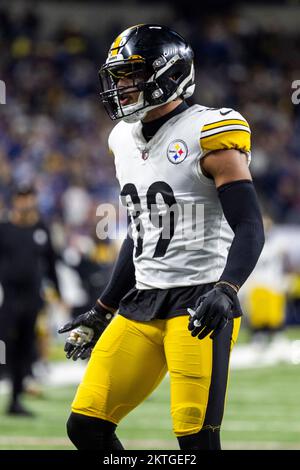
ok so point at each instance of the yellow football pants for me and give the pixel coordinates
(131, 358)
(266, 308)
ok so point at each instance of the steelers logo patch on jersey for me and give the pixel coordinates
(177, 151)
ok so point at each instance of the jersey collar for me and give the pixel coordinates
(149, 129)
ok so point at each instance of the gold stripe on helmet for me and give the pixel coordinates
(116, 44)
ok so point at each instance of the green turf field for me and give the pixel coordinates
(262, 413)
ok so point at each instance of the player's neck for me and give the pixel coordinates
(161, 111)
(150, 128)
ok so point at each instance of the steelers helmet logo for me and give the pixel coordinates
(177, 151)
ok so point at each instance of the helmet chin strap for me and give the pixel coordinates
(137, 110)
(135, 117)
(139, 114)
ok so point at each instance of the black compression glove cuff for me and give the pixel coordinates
(213, 311)
(231, 292)
(102, 311)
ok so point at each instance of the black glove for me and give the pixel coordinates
(86, 329)
(213, 311)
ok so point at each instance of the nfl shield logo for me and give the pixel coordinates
(177, 151)
(145, 154)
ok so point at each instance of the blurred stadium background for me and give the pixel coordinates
(53, 133)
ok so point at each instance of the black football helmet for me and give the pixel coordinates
(159, 64)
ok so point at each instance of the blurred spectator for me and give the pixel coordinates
(92, 259)
(26, 259)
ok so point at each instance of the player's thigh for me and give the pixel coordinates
(198, 375)
(126, 365)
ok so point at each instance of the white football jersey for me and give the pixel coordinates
(180, 234)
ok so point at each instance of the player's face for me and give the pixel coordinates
(127, 79)
(131, 95)
(122, 85)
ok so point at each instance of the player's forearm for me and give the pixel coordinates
(241, 209)
(122, 278)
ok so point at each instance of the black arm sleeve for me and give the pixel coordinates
(242, 212)
(122, 278)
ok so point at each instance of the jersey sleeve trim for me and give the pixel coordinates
(225, 122)
(230, 139)
(222, 130)
(225, 134)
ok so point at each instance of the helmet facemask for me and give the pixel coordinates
(154, 85)
(124, 101)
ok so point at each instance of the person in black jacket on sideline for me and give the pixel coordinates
(26, 259)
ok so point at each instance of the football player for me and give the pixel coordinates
(171, 285)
